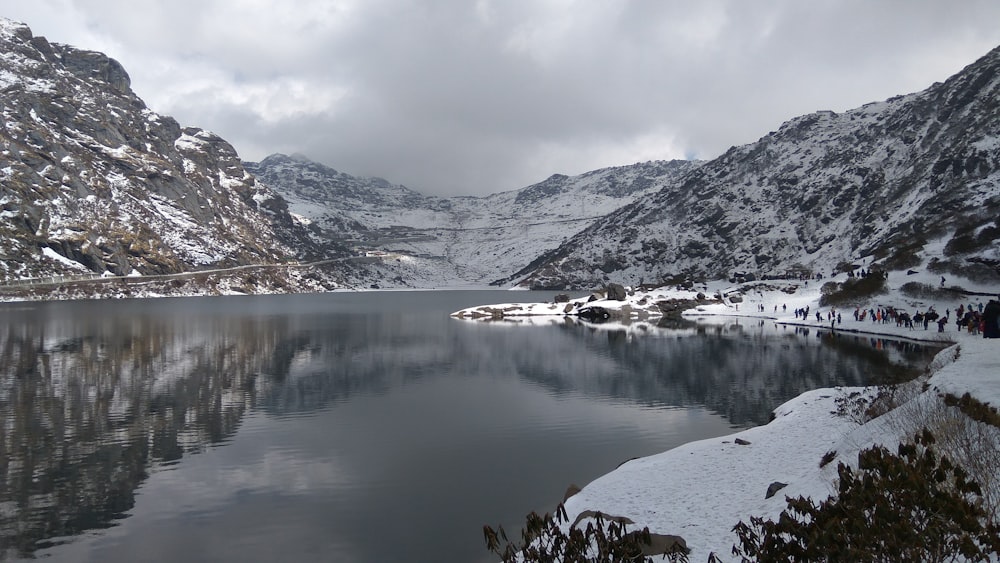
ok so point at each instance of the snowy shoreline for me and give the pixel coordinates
(700, 490)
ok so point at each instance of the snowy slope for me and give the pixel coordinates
(825, 189)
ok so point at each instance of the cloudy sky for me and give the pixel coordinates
(476, 96)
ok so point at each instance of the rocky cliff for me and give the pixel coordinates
(94, 182)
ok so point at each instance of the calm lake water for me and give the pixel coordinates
(360, 427)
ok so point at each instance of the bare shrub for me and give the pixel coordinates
(925, 291)
(975, 269)
(604, 540)
(904, 258)
(864, 406)
(854, 291)
(972, 442)
(914, 505)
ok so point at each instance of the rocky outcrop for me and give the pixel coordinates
(773, 489)
(673, 308)
(91, 65)
(597, 314)
(616, 292)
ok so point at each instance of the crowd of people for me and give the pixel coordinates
(979, 319)
(975, 319)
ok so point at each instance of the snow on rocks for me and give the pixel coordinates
(615, 302)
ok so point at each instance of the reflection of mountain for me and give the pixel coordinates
(88, 409)
(95, 396)
(90, 403)
(745, 376)
(741, 372)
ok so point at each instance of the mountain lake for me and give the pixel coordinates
(358, 426)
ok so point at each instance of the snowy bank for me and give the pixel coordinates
(700, 490)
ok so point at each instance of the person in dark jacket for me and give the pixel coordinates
(991, 319)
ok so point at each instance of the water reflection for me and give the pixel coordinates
(96, 397)
(89, 404)
(741, 369)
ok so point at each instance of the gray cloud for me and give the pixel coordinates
(462, 97)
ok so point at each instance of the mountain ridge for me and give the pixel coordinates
(95, 183)
(814, 194)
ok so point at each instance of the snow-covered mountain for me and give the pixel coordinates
(428, 241)
(887, 182)
(94, 182)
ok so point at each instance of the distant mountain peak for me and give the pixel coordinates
(463, 240)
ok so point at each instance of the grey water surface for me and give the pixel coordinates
(360, 427)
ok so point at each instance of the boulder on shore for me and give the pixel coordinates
(616, 292)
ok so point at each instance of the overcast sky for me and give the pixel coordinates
(477, 96)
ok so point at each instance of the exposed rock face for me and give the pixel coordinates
(571, 490)
(878, 181)
(674, 308)
(92, 181)
(616, 292)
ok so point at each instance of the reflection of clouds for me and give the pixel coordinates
(278, 470)
(246, 466)
(579, 415)
(286, 471)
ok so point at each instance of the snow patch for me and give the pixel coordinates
(53, 255)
